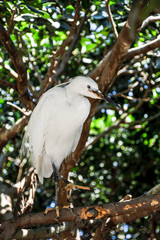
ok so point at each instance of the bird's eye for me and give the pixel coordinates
(88, 86)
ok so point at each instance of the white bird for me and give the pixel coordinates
(56, 123)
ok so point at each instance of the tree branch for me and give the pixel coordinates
(19, 109)
(29, 181)
(142, 49)
(136, 124)
(111, 19)
(118, 212)
(7, 134)
(10, 22)
(10, 71)
(149, 20)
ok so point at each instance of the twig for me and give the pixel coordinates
(142, 49)
(32, 191)
(20, 109)
(149, 20)
(10, 71)
(10, 23)
(20, 164)
(139, 99)
(30, 181)
(114, 126)
(134, 85)
(111, 19)
(149, 119)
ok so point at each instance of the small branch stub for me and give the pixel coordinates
(94, 212)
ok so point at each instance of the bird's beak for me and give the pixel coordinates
(100, 95)
(109, 100)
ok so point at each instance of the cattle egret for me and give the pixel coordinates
(56, 123)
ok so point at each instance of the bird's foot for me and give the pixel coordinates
(70, 186)
(51, 209)
(48, 210)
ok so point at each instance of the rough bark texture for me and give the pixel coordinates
(119, 212)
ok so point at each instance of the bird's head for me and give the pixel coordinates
(87, 87)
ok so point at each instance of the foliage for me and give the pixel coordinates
(125, 160)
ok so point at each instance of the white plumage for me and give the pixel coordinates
(56, 124)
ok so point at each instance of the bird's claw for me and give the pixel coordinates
(70, 186)
(51, 209)
(48, 210)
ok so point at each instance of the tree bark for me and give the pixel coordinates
(116, 213)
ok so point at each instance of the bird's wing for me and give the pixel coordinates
(34, 139)
(76, 138)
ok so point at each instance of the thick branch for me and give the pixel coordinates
(119, 212)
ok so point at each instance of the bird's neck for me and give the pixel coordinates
(72, 96)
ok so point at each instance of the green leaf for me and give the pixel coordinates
(1, 101)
